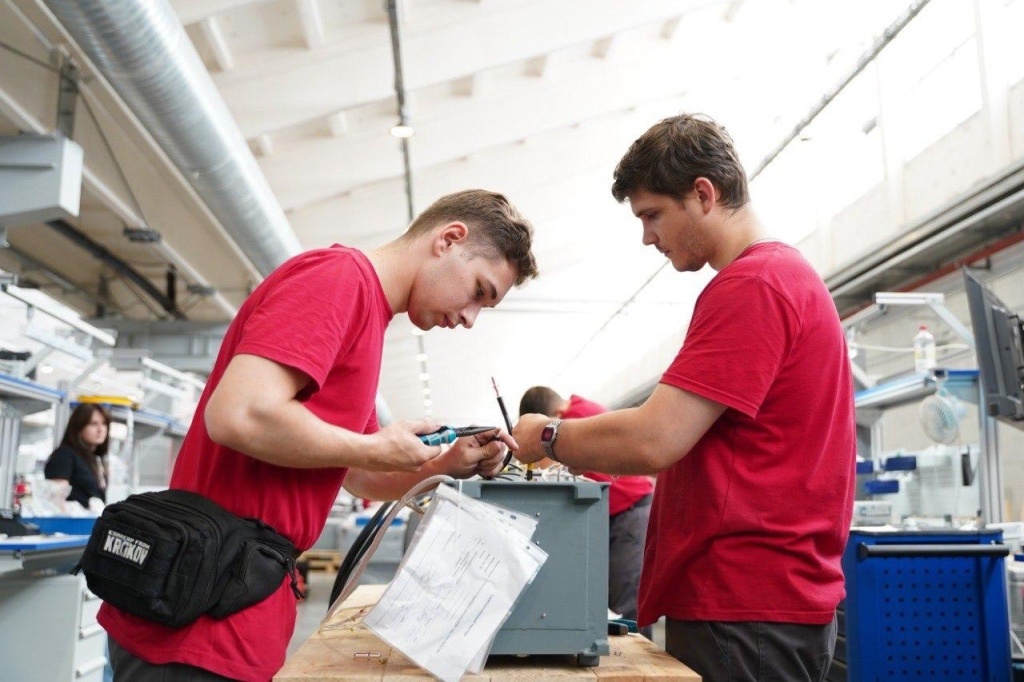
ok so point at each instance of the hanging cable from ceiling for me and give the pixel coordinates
(403, 131)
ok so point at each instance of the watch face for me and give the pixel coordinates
(547, 433)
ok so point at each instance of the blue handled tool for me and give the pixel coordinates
(620, 626)
(449, 434)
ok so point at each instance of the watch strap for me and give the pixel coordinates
(548, 436)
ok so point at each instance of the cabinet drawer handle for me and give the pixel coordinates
(90, 667)
(90, 631)
(866, 551)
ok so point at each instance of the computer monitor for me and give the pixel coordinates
(998, 343)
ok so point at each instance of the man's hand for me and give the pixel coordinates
(477, 455)
(397, 447)
(527, 433)
(469, 456)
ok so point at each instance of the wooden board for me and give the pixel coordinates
(345, 650)
(321, 559)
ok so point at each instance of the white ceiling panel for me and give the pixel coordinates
(537, 99)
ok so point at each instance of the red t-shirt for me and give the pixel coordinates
(324, 313)
(752, 523)
(623, 491)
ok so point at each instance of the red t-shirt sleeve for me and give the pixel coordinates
(737, 341)
(372, 425)
(306, 320)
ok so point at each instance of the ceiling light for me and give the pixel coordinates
(424, 376)
(417, 331)
(427, 402)
(45, 369)
(426, 391)
(421, 357)
(908, 298)
(402, 131)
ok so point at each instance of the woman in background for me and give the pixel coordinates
(79, 460)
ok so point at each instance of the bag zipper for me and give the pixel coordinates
(216, 531)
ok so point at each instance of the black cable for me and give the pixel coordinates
(357, 550)
(508, 422)
(103, 136)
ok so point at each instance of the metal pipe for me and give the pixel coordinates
(10, 433)
(143, 51)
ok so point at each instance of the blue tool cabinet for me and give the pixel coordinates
(926, 605)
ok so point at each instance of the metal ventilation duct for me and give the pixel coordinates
(142, 50)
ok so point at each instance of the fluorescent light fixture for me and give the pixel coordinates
(134, 359)
(64, 345)
(402, 131)
(162, 388)
(935, 301)
(911, 298)
(44, 304)
(169, 371)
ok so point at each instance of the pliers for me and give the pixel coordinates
(449, 434)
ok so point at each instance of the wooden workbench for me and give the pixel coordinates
(331, 654)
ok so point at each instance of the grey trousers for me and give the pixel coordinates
(756, 651)
(626, 534)
(129, 668)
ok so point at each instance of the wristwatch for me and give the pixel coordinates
(548, 436)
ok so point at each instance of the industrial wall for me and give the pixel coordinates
(843, 199)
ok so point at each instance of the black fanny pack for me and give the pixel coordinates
(172, 556)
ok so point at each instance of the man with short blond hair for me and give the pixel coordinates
(288, 417)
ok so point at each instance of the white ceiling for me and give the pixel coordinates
(537, 99)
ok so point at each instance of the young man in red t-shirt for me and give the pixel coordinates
(288, 412)
(629, 504)
(751, 429)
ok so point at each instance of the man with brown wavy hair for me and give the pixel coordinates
(750, 430)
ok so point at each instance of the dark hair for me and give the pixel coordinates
(540, 400)
(79, 419)
(673, 153)
(496, 228)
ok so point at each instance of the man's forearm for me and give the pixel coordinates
(612, 443)
(289, 436)
(384, 485)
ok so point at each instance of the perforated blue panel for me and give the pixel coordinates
(926, 618)
(931, 615)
